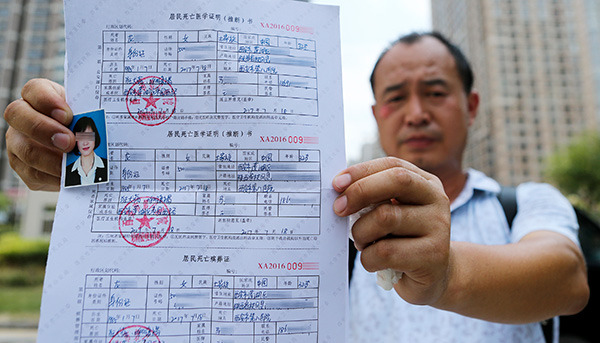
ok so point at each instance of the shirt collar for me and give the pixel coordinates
(476, 182)
(97, 163)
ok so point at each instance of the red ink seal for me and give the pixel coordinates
(151, 101)
(135, 333)
(144, 222)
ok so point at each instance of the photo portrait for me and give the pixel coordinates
(87, 163)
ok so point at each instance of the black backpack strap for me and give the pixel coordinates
(351, 257)
(508, 200)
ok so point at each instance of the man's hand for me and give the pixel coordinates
(407, 231)
(540, 276)
(37, 135)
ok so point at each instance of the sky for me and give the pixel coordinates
(367, 27)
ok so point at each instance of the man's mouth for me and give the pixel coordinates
(419, 141)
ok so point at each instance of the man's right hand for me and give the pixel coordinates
(37, 135)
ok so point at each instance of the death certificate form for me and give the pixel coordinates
(224, 129)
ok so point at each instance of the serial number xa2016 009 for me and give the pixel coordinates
(281, 266)
(282, 139)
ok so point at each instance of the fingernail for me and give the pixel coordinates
(61, 141)
(59, 115)
(339, 205)
(342, 181)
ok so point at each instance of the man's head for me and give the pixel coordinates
(462, 64)
(424, 102)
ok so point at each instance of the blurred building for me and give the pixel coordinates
(32, 45)
(369, 151)
(537, 68)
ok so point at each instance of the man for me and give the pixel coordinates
(481, 282)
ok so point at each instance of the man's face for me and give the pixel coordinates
(421, 108)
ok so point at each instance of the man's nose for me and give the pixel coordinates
(416, 114)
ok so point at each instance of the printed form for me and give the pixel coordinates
(225, 129)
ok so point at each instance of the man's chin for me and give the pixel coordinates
(423, 164)
(420, 161)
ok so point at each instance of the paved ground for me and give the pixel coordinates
(18, 329)
(18, 335)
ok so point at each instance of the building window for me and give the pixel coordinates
(48, 219)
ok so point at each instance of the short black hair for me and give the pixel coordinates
(462, 64)
(80, 126)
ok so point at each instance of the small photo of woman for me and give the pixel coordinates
(87, 163)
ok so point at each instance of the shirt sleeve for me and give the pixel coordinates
(543, 207)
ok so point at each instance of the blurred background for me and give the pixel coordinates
(537, 67)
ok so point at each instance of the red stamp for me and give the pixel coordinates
(135, 333)
(151, 101)
(144, 222)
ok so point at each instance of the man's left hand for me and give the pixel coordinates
(409, 228)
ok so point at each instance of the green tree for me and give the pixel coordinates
(575, 170)
(5, 202)
(7, 214)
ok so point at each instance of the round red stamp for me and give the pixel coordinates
(144, 222)
(151, 100)
(135, 333)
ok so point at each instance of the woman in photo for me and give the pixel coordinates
(89, 168)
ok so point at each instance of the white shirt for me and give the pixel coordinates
(382, 316)
(91, 176)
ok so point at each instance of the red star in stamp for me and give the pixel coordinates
(148, 231)
(151, 101)
(145, 221)
(159, 100)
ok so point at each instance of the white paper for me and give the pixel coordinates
(225, 130)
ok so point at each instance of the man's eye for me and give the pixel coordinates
(397, 98)
(437, 94)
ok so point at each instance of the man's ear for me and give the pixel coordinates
(376, 110)
(472, 105)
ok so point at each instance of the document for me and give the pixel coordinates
(224, 128)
